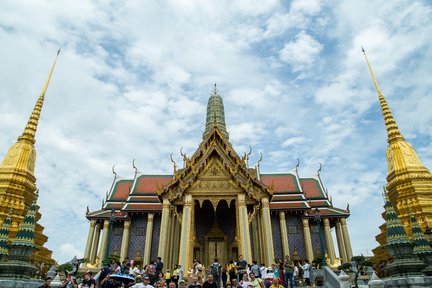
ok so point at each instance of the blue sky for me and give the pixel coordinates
(133, 80)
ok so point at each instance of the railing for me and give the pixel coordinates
(330, 278)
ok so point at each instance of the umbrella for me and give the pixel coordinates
(124, 278)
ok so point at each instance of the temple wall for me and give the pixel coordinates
(137, 234)
(315, 237)
(277, 238)
(116, 238)
(295, 234)
(155, 237)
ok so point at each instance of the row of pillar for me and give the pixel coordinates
(94, 234)
(172, 227)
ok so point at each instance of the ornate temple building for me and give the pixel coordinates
(409, 183)
(216, 205)
(18, 190)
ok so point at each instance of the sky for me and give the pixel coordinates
(133, 80)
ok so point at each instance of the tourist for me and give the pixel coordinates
(167, 276)
(180, 275)
(88, 281)
(215, 270)
(138, 282)
(232, 271)
(228, 285)
(152, 273)
(296, 276)
(69, 282)
(307, 267)
(288, 271)
(159, 265)
(171, 284)
(47, 283)
(210, 282)
(275, 283)
(268, 281)
(282, 281)
(245, 281)
(195, 283)
(241, 267)
(224, 275)
(175, 274)
(235, 283)
(263, 271)
(182, 284)
(255, 269)
(255, 282)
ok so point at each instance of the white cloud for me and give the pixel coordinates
(134, 77)
(301, 54)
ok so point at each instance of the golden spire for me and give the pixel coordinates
(30, 129)
(391, 126)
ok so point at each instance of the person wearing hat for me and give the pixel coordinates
(182, 283)
(47, 283)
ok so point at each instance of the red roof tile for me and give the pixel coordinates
(121, 190)
(143, 206)
(281, 182)
(150, 183)
(311, 188)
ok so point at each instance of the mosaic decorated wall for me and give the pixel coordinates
(137, 234)
(315, 237)
(116, 238)
(295, 234)
(277, 238)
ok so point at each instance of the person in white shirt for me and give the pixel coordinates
(245, 281)
(146, 283)
(307, 267)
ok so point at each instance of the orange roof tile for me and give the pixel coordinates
(150, 183)
(281, 182)
(311, 188)
(121, 190)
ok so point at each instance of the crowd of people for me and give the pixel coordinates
(283, 273)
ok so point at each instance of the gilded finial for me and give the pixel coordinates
(29, 132)
(319, 169)
(174, 163)
(298, 164)
(391, 126)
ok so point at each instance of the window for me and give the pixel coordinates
(139, 231)
(292, 229)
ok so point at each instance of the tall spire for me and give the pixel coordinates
(30, 129)
(391, 126)
(4, 235)
(215, 114)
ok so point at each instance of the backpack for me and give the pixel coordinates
(215, 268)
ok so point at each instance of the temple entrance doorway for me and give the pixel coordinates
(215, 232)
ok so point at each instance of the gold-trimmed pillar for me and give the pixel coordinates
(103, 246)
(268, 233)
(125, 240)
(164, 230)
(244, 237)
(329, 240)
(307, 240)
(89, 242)
(347, 241)
(148, 239)
(340, 242)
(95, 244)
(284, 234)
(256, 245)
(186, 244)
